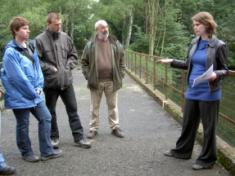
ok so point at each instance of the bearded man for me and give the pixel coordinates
(103, 67)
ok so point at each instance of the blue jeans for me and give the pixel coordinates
(43, 116)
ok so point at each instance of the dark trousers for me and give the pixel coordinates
(68, 97)
(195, 110)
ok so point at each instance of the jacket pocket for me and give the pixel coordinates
(51, 80)
(67, 78)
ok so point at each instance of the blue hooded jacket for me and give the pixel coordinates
(22, 78)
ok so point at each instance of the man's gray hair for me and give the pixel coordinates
(100, 23)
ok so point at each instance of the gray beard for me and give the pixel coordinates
(102, 36)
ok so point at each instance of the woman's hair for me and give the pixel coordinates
(207, 20)
(16, 23)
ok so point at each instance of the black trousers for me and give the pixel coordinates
(68, 97)
(208, 112)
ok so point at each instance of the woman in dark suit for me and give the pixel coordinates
(201, 100)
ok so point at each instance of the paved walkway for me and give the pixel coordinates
(149, 131)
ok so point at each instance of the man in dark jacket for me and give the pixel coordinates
(103, 67)
(58, 57)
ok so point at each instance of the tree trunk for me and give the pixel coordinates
(146, 16)
(72, 30)
(164, 32)
(129, 32)
(124, 31)
(153, 7)
(66, 26)
(152, 11)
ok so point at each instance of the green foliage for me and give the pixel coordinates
(174, 29)
(176, 37)
(141, 42)
(28, 9)
(225, 17)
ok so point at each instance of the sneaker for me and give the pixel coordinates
(57, 153)
(7, 170)
(200, 167)
(31, 158)
(92, 134)
(55, 143)
(83, 144)
(118, 133)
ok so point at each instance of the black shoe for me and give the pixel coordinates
(92, 134)
(118, 133)
(7, 170)
(31, 158)
(57, 153)
(173, 154)
(200, 167)
(83, 144)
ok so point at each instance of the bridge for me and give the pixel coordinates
(149, 131)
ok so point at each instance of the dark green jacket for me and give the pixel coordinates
(89, 63)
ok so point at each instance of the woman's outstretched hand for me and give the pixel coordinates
(165, 61)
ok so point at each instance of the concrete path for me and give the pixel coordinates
(149, 131)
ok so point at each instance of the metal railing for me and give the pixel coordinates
(172, 83)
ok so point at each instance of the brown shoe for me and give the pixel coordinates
(118, 133)
(92, 134)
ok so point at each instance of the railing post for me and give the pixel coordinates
(135, 64)
(126, 56)
(131, 66)
(154, 72)
(166, 82)
(140, 67)
(146, 69)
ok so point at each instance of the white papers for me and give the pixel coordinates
(204, 77)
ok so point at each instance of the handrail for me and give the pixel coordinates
(172, 84)
(231, 73)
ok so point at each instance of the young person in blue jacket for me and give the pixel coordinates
(23, 81)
